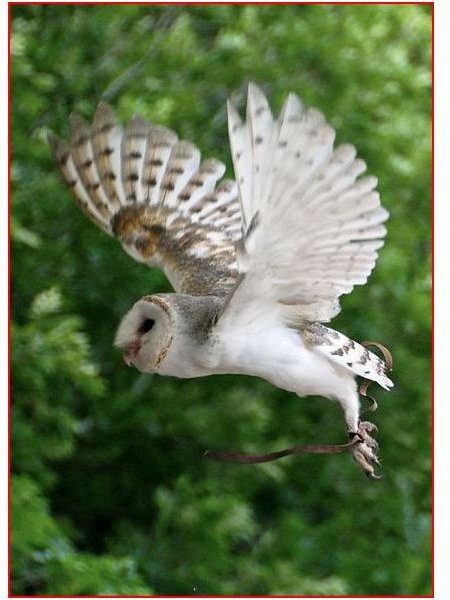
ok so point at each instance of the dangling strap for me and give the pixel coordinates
(242, 457)
(364, 386)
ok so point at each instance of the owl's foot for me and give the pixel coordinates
(365, 452)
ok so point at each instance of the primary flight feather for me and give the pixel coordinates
(257, 264)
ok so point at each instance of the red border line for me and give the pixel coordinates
(220, 3)
(9, 304)
(432, 305)
(431, 4)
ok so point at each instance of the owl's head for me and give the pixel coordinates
(146, 333)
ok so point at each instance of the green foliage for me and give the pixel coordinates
(42, 554)
(51, 368)
(111, 493)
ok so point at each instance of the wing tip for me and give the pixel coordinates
(232, 110)
(292, 106)
(257, 102)
(54, 142)
(78, 125)
(59, 148)
(76, 119)
(104, 111)
(137, 125)
(254, 91)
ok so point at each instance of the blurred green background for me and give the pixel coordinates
(111, 493)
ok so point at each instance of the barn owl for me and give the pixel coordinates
(257, 264)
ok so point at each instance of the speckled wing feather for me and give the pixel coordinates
(313, 224)
(344, 351)
(151, 191)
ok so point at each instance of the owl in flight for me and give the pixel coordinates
(257, 264)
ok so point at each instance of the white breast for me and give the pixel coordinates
(279, 356)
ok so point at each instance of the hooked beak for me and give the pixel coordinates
(130, 352)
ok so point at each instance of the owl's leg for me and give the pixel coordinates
(365, 452)
(347, 396)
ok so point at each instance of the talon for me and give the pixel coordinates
(374, 476)
(362, 462)
(372, 443)
(368, 426)
(365, 453)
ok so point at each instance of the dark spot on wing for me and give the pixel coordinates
(106, 152)
(338, 352)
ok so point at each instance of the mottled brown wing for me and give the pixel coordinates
(151, 191)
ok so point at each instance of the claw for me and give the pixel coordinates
(367, 426)
(372, 443)
(363, 462)
(374, 476)
(365, 453)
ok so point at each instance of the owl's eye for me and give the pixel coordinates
(146, 326)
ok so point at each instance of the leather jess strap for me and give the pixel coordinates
(242, 457)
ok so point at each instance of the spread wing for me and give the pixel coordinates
(151, 191)
(312, 224)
